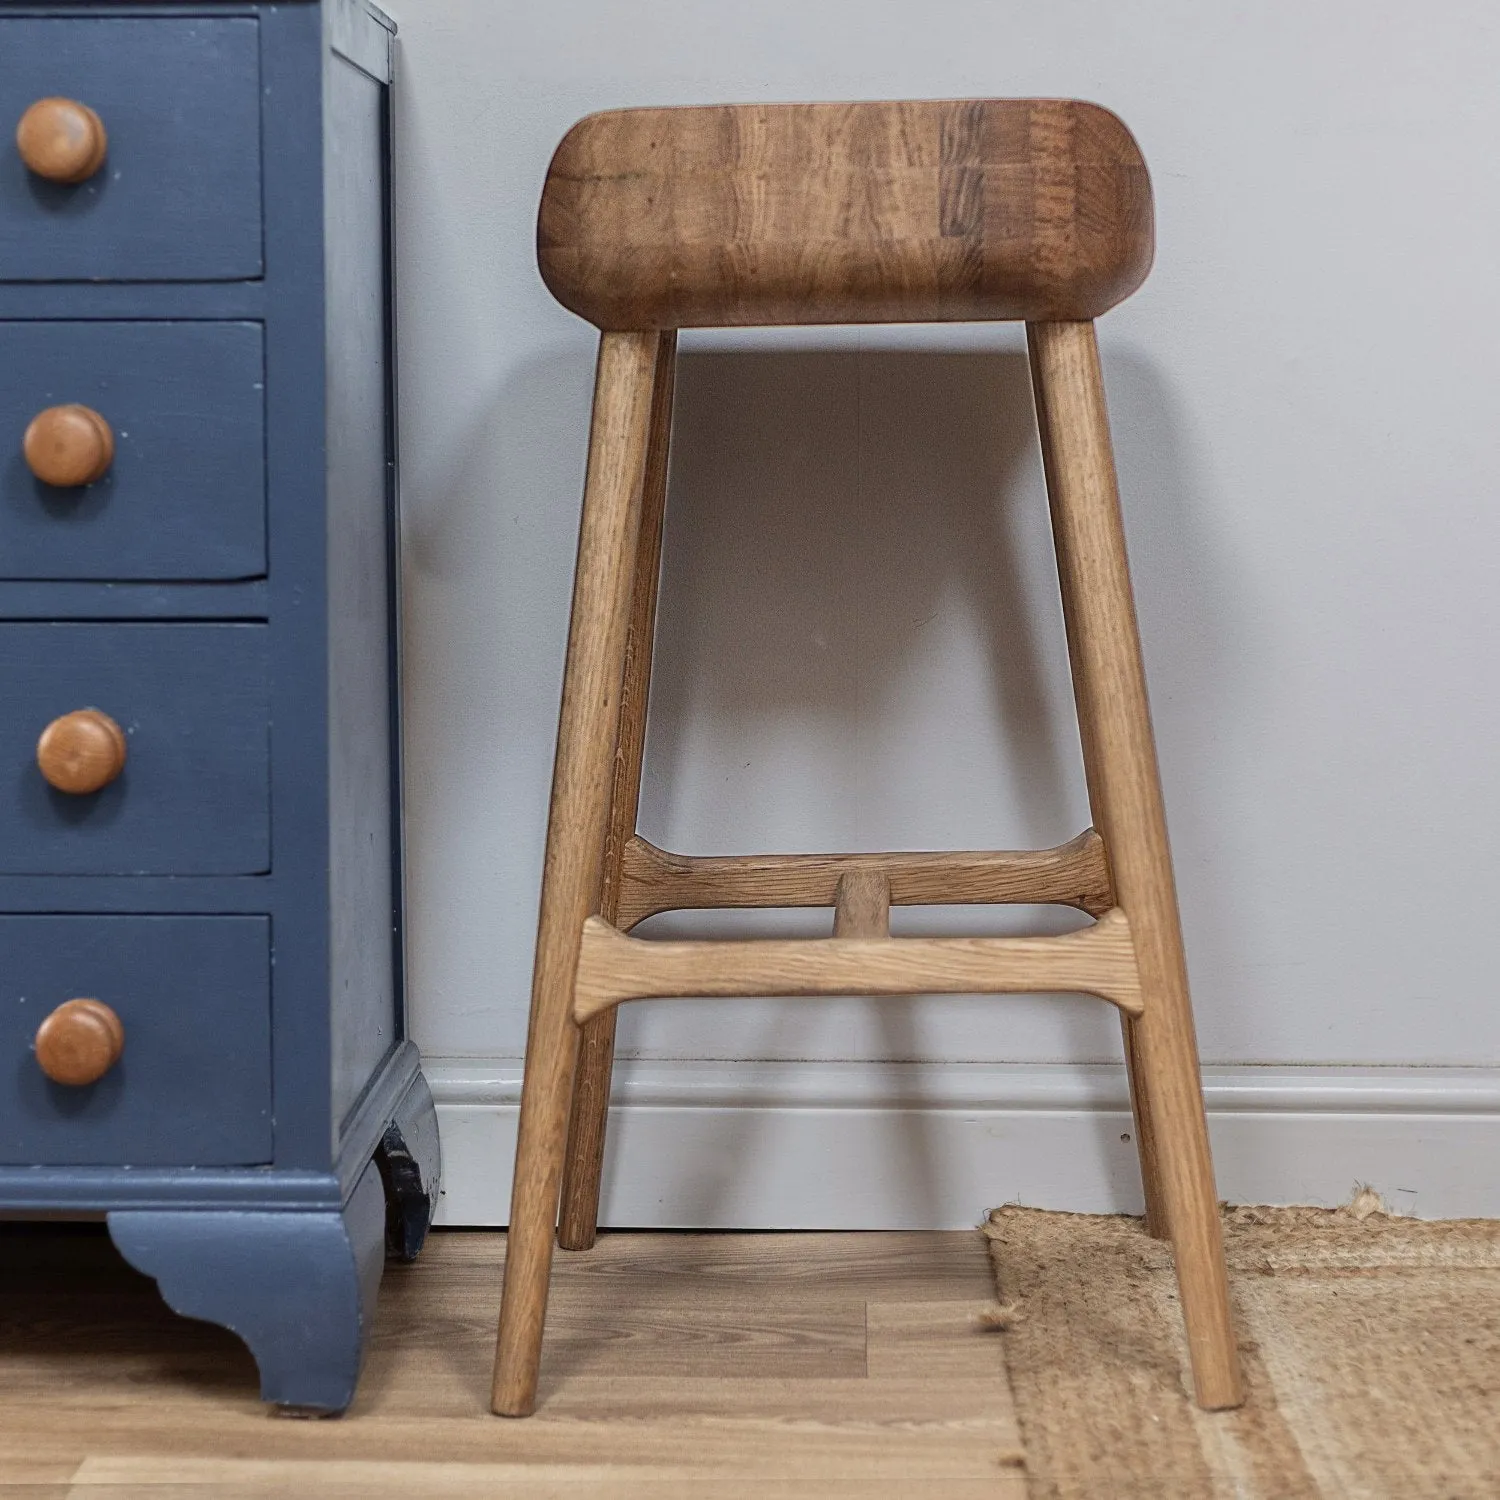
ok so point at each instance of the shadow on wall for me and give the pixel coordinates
(824, 509)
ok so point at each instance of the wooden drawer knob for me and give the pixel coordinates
(81, 752)
(68, 445)
(79, 1042)
(62, 140)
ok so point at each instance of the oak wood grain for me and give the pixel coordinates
(583, 1167)
(928, 1266)
(149, 1479)
(100, 1386)
(929, 211)
(939, 1340)
(1073, 874)
(582, 783)
(862, 905)
(1098, 960)
(710, 1334)
(1125, 787)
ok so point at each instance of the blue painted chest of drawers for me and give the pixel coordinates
(202, 1029)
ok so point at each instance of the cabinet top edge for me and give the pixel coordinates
(172, 7)
(375, 11)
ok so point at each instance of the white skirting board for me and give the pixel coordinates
(858, 1145)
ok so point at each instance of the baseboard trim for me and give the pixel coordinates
(858, 1145)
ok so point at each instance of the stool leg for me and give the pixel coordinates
(581, 782)
(1145, 1132)
(1105, 646)
(1088, 719)
(584, 1165)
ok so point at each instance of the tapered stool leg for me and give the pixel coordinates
(1145, 1133)
(1118, 742)
(1084, 694)
(578, 1221)
(582, 781)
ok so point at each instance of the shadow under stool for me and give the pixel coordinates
(758, 215)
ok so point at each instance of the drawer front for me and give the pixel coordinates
(178, 195)
(184, 494)
(192, 1085)
(192, 701)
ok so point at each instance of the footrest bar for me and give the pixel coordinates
(1099, 960)
(1072, 874)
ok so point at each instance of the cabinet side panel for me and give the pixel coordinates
(364, 826)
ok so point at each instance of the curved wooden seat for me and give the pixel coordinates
(926, 211)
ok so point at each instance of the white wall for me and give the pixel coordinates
(860, 643)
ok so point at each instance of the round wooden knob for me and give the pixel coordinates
(79, 1042)
(81, 752)
(68, 445)
(62, 140)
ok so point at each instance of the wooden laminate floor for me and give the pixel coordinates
(677, 1365)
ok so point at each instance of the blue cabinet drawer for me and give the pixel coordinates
(177, 197)
(192, 703)
(192, 1085)
(183, 496)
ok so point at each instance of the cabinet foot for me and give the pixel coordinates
(410, 1163)
(298, 1288)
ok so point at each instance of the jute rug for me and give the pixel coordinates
(1371, 1350)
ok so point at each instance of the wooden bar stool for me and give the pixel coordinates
(658, 219)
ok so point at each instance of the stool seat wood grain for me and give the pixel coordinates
(654, 220)
(928, 211)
